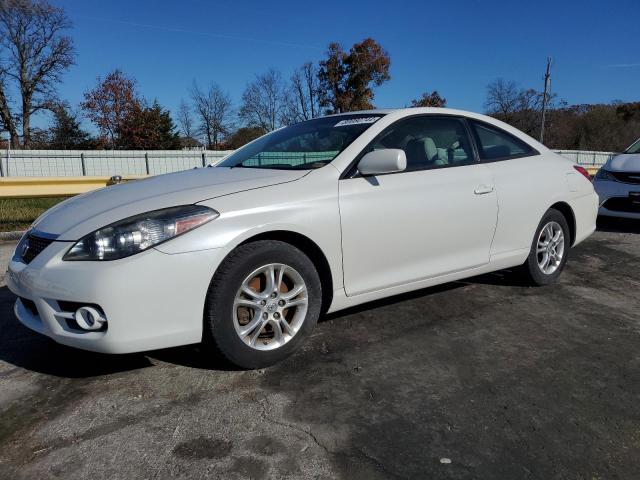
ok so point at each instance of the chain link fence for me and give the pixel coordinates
(106, 163)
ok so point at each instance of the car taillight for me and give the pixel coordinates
(583, 171)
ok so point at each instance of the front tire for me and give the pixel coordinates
(549, 250)
(262, 304)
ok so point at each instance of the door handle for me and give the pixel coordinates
(483, 189)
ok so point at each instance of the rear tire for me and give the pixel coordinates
(262, 304)
(549, 250)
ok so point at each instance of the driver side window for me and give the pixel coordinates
(429, 142)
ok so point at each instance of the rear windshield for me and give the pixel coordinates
(305, 145)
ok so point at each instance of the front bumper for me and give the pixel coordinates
(151, 300)
(614, 199)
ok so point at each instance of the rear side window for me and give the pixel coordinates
(496, 144)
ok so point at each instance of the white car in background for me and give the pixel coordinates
(316, 217)
(618, 184)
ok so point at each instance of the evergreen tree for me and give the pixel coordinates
(66, 133)
(148, 128)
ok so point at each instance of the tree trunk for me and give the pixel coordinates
(7, 120)
(26, 121)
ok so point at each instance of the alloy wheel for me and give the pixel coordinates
(270, 306)
(550, 248)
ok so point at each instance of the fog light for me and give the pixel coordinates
(88, 318)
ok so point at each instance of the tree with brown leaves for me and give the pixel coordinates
(432, 99)
(148, 128)
(347, 79)
(109, 103)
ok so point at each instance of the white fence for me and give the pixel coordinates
(587, 158)
(105, 163)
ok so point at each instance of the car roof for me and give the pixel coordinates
(412, 110)
(399, 113)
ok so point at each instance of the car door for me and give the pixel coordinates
(522, 181)
(436, 217)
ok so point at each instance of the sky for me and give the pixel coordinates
(455, 47)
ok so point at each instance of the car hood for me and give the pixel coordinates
(83, 214)
(626, 162)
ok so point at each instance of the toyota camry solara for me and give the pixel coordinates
(316, 217)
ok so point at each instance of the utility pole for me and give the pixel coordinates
(547, 84)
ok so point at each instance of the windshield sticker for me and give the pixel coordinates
(356, 121)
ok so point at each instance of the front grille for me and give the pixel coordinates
(29, 305)
(33, 246)
(627, 177)
(622, 204)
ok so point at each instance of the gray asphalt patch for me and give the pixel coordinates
(485, 378)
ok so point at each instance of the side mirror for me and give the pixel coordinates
(387, 160)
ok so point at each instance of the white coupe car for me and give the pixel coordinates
(618, 184)
(312, 218)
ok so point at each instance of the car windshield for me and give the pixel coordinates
(303, 146)
(635, 148)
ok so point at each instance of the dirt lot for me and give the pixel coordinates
(479, 379)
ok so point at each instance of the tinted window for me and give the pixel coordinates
(428, 141)
(635, 148)
(306, 145)
(495, 143)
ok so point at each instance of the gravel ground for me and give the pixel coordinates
(485, 378)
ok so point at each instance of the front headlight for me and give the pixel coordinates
(136, 234)
(603, 174)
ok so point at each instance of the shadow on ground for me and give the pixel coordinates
(618, 225)
(23, 348)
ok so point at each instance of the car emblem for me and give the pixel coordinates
(25, 248)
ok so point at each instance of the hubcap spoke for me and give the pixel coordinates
(250, 292)
(293, 293)
(256, 334)
(246, 302)
(277, 331)
(286, 327)
(545, 260)
(280, 278)
(270, 273)
(297, 302)
(251, 326)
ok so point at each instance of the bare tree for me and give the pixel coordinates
(502, 99)
(34, 53)
(214, 110)
(263, 101)
(516, 106)
(301, 99)
(185, 120)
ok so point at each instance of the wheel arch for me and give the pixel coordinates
(566, 210)
(310, 249)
